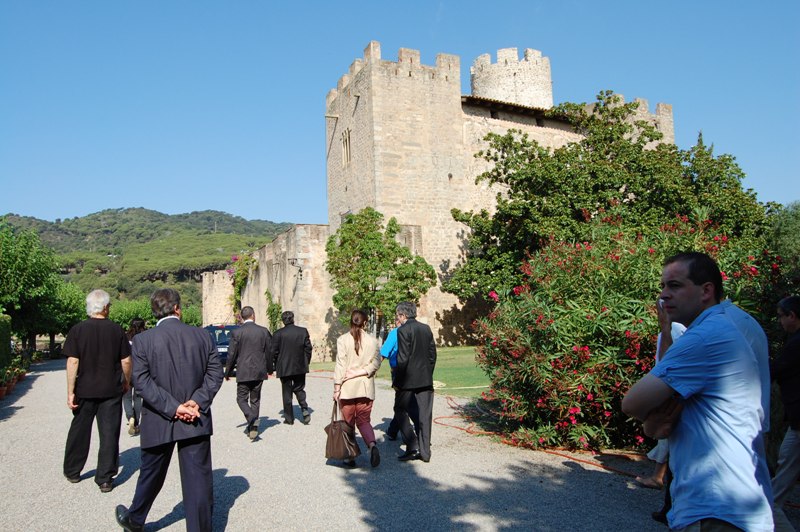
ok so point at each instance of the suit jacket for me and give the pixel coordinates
(367, 358)
(249, 352)
(416, 356)
(291, 350)
(173, 363)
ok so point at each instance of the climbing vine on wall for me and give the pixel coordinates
(241, 268)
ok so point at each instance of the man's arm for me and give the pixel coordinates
(646, 396)
(233, 354)
(307, 348)
(127, 370)
(72, 375)
(212, 381)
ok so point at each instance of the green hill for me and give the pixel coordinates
(131, 252)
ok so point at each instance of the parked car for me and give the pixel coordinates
(221, 335)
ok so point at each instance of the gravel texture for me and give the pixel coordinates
(282, 481)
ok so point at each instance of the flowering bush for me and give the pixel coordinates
(563, 347)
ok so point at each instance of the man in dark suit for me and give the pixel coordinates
(291, 353)
(249, 353)
(177, 371)
(413, 377)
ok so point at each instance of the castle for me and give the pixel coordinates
(401, 138)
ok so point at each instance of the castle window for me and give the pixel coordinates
(346, 147)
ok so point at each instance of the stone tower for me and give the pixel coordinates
(527, 82)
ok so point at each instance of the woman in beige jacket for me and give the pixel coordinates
(357, 362)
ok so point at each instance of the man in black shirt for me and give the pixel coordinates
(98, 373)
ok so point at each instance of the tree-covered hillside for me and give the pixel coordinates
(112, 230)
(131, 252)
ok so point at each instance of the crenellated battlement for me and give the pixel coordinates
(662, 119)
(408, 64)
(524, 82)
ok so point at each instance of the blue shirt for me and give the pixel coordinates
(716, 448)
(755, 336)
(389, 348)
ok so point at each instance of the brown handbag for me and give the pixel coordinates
(341, 444)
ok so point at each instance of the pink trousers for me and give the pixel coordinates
(358, 412)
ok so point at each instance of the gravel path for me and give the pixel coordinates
(283, 482)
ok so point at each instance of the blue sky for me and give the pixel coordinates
(180, 106)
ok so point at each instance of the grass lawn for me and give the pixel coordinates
(455, 367)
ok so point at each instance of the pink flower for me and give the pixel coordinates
(639, 440)
(541, 440)
(607, 413)
(724, 276)
(517, 290)
(234, 258)
(493, 296)
(589, 397)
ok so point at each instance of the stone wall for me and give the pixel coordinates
(292, 268)
(217, 298)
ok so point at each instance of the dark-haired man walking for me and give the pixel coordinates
(291, 354)
(177, 371)
(249, 353)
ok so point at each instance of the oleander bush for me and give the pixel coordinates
(564, 346)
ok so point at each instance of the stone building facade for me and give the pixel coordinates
(401, 138)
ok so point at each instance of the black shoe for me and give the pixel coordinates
(409, 455)
(660, 516)
(391, 437)
(105, 487)
(350, 463)
(288, 421)
(124, 520)
(74, 480)
(306, 417)
(374, 456)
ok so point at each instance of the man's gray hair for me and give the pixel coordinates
(407, 309)
(96, 301)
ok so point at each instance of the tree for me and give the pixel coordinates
(62, 309)
(27, 279)
(371, 270)
(784, 236)
(618, 164)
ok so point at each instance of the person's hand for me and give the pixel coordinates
(188, 411)
(125, 387)
(71, 404)
(664, 322)
(336, 395)
(660, 422)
